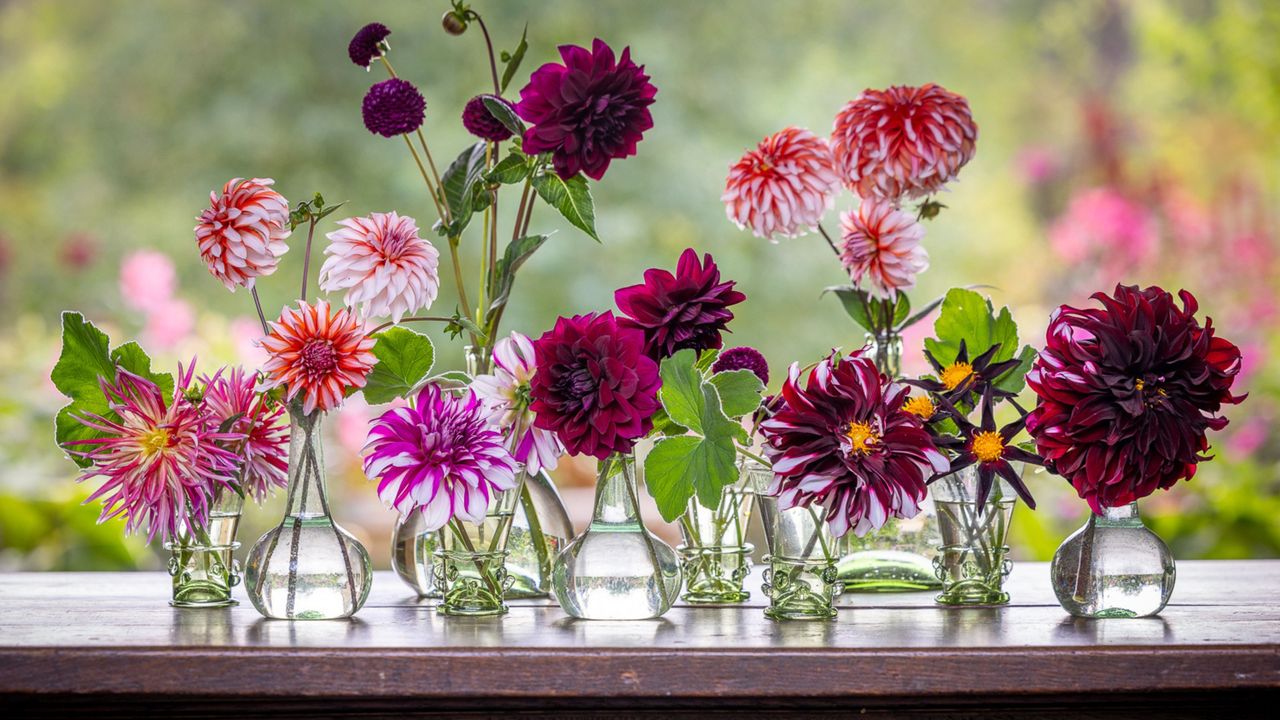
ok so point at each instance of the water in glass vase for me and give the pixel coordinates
(1113, 567)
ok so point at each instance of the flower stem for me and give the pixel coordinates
(493, 65)
(752, 456)
(830, 242)
(441, 210)
(306, 258)
(415, 318)
(257, 303)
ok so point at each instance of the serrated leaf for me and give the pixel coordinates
(512, 169)
(968, 316)
(706, 359)
(133, 358)
(572, 198)
(1013, 379)
(681, 392)
(682, 467)
(405, 358)
(504, 114)
(513, 62)
(740, 392)
(458, 185)
(517, 252)
(664, 425)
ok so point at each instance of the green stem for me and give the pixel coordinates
(752, 456)
(306, 258)
(257, 304)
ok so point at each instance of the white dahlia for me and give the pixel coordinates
(382, 265)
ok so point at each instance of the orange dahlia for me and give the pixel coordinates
(882, 243)
(242, 234)
(783, 186)
(318, 353)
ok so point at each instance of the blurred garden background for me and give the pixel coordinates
(1119, 141)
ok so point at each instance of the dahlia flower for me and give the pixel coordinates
(782, 187)
(505, 393)
(241, 236)
(1127, 393)
(393, 107)
(162, 459)
(383, 266)
(440, 456)
(742, 358)
(882, 243)
(587, 112)
(367, 44)
(903, 141)
(686, 310)
(478, 121)
(595, 388)
(841, 439)
(991, 448)
(318, 353)
(962, 380)
(231, 398)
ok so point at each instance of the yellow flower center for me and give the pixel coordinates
(1139, 384)
(921, 407)
(956, 374)
(154, 441)
(861, 438)
(988, 446)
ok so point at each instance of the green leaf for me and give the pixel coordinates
(504, 115)
(133, 358)
(505, 273)
(571, 197)
(740, 391)
(968, 316)
(901, 309)
(706, 360)
(664, 425)
(513, 63)
(405, 358)
(512, 169)
(459, 187)
(1013, 379)
(681, 392)
(678, 468)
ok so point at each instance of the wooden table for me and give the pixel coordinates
(109, 645)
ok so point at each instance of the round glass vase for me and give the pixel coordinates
(307, 567)
(715, 556)
(413, 548)
(616, 569)
(800, 581)
(201, 560)
(1113, 567)
(469, 563)
(971, 562)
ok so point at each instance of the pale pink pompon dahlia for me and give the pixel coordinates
(242, 234)
(882, 244)
(383, 266)
(902, 142)
(783, 186)
(317, 353)
(505, 393)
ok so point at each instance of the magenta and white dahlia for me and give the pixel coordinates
(505, 393)
(264, 448)
(383, 266)
(440, 456)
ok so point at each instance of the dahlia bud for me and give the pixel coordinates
(454, 23)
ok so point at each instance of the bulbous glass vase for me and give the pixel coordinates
(616, 569)
(412, 549)
(1113, 567)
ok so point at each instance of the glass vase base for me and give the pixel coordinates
(214, 602)
(887, 571)
(715, 575)
(472, 584)
(800, 589)
(979, 595)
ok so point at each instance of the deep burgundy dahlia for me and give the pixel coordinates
(478, 121)
(1127, 393)
(364, 47)
(841, 439)
(989, 447)
(587, 112)
(686, 310)
(393, 107)
(743, 358)
(594, 388)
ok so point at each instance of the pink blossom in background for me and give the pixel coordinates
(352, 426)
(1187, 220)
(1249, 437)
(1103, 228)
(1037, 164)
(147, 280)
(168, 324)
(79, 251)
(914, 363)
(245, 334)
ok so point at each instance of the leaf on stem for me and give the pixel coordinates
(512, 169)
(572, 198)
(405, 359)
(968, 316)
(517, 252)
(458, 185)
(504, 115)
(513, 62)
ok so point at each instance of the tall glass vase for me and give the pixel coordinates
(307, 567)
(1113, 567)
(469, 569)
(716, 557)
(972, 562)
(616, 569)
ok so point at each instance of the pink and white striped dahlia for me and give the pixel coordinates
(162, 460)
(783, 186)
(242, 234)
(505, 393)
(264, 450)
(903, 141)
(882, 243)
(318, 353)
(441, 456)
(382, 264)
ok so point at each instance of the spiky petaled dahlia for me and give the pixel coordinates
(382, 264)
(686, 310)
(1127, 393)
(964, 381)
(162, 459)
(242, 234)
(903, 141)
(587, 112)
(782, 187)
(505, 393)
(440, 456)
(366, 44)
(743, 358)
(393, 107)
(882, 244)
(478, 121)
(317, 353)
(595, 388)
(989, 447)
(841, 438)
(231, 399)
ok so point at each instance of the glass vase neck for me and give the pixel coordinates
(1119, 515)
(616, 502)
(884, 347)
(307, 491)
(478, 359)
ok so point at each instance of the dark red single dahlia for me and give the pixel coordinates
(364, 47)
(990, 447)
(1127, 393)
(686, 310)
(841, 439)
(743, 358)
(393, 107)
(587, 112)
(594, 387)
(478, 121)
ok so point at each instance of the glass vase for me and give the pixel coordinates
(801, 581)
(1113, 567)
(616, 569)
(307, 567)
(540, 529)
(413, 547)
(715, 556)
(469, 569)
(202, 562)
(972, 562)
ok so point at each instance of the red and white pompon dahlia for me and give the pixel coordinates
(318, 353)
(783, 186)
(882, 243)
(383, 265)
(902, 142)
(242, 234)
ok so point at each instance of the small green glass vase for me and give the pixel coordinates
(715, 555)
(801, 580)
(972, 563)
(469, 565)
(202, 563)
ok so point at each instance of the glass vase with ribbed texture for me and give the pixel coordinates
(1113, 567)
(972, 561)
(800, 581)
(469, 564)
(715, 555)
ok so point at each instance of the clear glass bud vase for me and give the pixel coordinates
(972, 562)
(716, 557)
(412, 549)
(801, 581)
(1113, 567)
(616, 569)
(307, 568)
(201, 560)
(469, 569)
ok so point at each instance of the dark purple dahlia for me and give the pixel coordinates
(587, 112)
(365, 46)
(1127, 393)
(478, 121)
(989, 447)
(743, 358)
(686, 310)
(594, 387)
(393, 107)
(841, 439)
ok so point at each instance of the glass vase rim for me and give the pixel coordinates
(745, 548)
